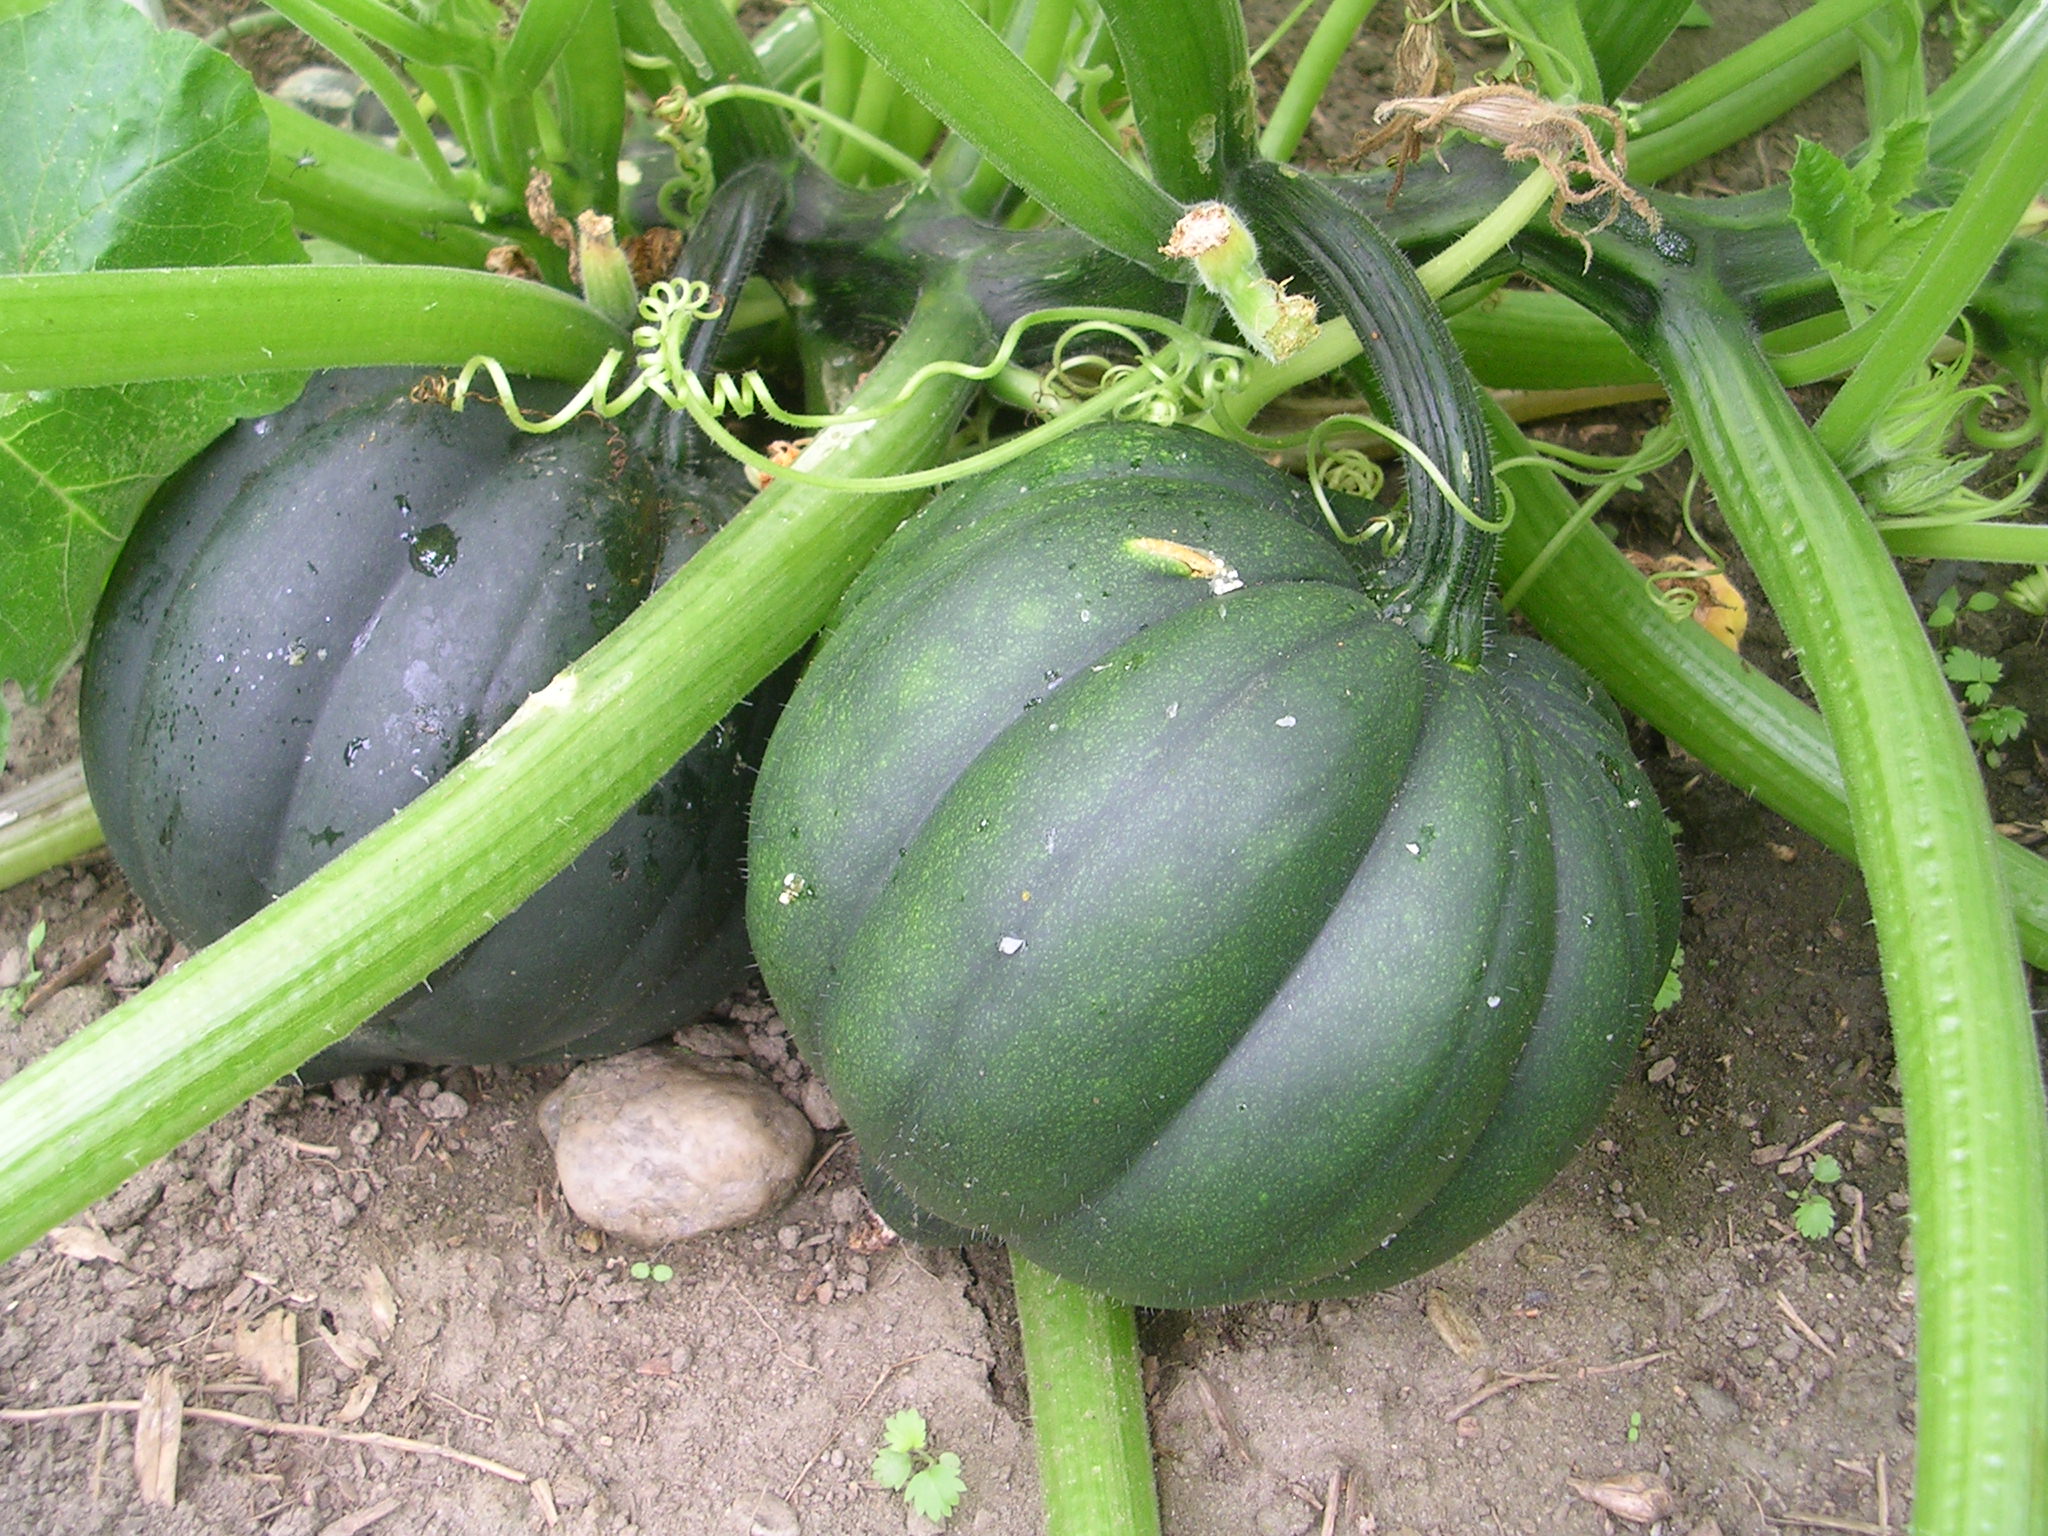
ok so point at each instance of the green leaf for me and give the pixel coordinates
(1829, 205)
(1852, 218)
(935, 1492)
(76, 467)
(904, 1431)
(120, 147)
(1815, 1217)
(1826, 1169)
(1996, 727)
(1962, 665)
(893, 1467)
(123, 146)
(1673, 989)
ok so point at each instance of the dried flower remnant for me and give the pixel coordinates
(1556, 136)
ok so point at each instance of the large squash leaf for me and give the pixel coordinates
(121, 146)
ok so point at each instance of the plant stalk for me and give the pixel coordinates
(1087, 1407)
(1961, 1021)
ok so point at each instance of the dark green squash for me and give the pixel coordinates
(1199, 908)
(324, 613)
(1200, 944)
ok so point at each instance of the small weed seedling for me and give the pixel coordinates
(929, 1484)
(1673, 989)
(660, 1274)
(1991, 726)
(1814, 1216)
(13, 998)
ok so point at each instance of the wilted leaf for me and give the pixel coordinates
(359, 1398)
(158, 1427)
(1452, 1325)
(85, 1243)
(1635, 1497)
(269, 1348)
(381, 1300)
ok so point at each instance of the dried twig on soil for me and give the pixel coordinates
(1799, 1323)
(1507, 1381)
(1817, 1138)
(1620, 1366)
(84, 966)
(1829, 1523)
(275, 1427)
(1222, 1418)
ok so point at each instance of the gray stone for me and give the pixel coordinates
(1712, 1404)
(656, 1145)
(761, 1514)
(205, 1267)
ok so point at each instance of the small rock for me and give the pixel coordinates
(132, 1201)
(819, 1106)
(656, 1145)
(445, 1106)
(324, 92)
(1713, 1405)
(204, 1267)
(761, 1514)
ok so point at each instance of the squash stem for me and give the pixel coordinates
(46, 822)
(1968, 1059)
(1087, 1407)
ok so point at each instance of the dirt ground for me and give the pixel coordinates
(469, 1359)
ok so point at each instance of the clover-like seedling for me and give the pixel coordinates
(930, 1484)
(1815, 1214)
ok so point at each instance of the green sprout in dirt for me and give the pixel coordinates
(1814, 1216)
(1951, 606)
(12, 998)
(660, 1274)
(930, 1484)
(1991, 726)
(1673, 988)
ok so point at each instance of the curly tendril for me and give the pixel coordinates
(1607, 476)
(670, 309)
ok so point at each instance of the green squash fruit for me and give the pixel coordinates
(1154, 901)
(330, 608)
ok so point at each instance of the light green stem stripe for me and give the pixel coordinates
(1961, 1022)
(44, 823)
(949, 59)
(1312, 74)
(81, 328)
(1746, 65)
(1998, 543)
(79, 1120)
(1087, 1407)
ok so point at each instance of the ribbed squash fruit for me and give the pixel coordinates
(1154, 902)
(323, 614)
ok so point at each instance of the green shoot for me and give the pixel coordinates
(1851, 216)
(1668, 995)
(12, 998)
(930, 1484)
(1814, 1216)
(1991, 726)
(1951, 605)
(660, 1274)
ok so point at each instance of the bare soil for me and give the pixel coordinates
(1655, 1312)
